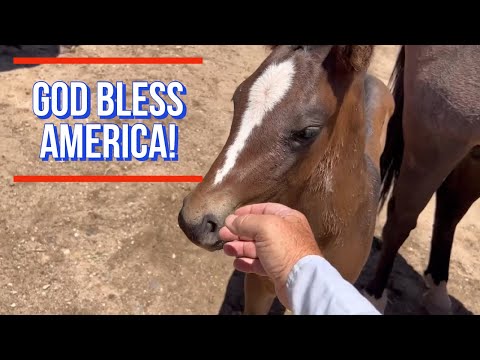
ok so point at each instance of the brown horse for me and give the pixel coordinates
(432, 145)
(306, 133)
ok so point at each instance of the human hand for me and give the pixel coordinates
(268, 239)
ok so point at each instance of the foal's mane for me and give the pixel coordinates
(353, 57)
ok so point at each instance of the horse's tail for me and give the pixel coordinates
(392, 155)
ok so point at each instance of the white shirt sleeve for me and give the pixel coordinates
(315, 287)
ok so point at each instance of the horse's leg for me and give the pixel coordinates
(259, 295)
(457, 193)
(423, 169)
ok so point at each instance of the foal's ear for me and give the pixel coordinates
(355, 57)
(312, 48)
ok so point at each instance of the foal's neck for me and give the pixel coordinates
(338, 174)
(347, 143)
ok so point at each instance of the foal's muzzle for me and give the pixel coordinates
(203, 233)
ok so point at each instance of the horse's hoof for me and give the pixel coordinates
(379, 304)
(436, 300)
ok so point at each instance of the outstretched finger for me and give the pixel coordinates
(247, 265)
(226, 235)
(250, 226)
(264, 209)
(241, 249)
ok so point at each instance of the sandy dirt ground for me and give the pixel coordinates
(116, 248)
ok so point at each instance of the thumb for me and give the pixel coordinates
(250, 226)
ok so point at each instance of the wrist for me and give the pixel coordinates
(283, 282)
(297, 256)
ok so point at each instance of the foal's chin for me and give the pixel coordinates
(212, 244)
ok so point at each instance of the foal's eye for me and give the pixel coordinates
(305, 135)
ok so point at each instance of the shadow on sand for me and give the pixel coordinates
(406, 287)
(8, 52)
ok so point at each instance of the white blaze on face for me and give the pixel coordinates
(266, 92)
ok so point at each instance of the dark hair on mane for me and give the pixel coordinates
(353, 57)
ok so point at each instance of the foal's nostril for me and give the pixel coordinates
(203, 233)
(211, 226)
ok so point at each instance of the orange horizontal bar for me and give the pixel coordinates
(117, 60)
(106, 178)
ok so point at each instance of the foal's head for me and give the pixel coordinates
(286, 129)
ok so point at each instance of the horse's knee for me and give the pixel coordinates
(400, 222)
(395, 232)
(436, 299)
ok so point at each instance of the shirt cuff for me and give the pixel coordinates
(315, 287)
